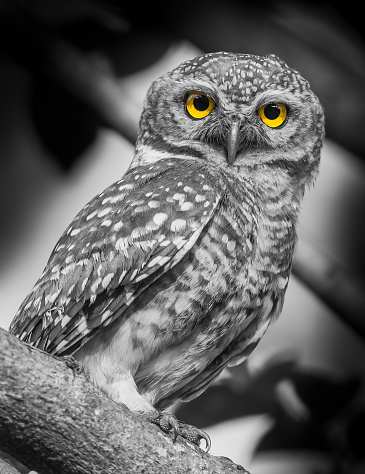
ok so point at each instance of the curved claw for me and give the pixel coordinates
(174, 426)
(168, 423)
(206, 437)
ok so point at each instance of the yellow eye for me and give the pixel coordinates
(273, 115)
(199, 105)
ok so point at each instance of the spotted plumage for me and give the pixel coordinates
(176, 270)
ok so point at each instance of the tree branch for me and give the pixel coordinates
(54, 420)
(6, 468)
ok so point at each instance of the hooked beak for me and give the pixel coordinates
(233, 140)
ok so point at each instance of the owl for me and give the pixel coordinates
(176, 270)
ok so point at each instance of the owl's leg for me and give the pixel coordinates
(111, 369)
(123, 390)
(119, 385)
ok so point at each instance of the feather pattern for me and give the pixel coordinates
(88, 282)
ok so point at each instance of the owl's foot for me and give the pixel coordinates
(72, 363)
(169, 424)
(194, 435)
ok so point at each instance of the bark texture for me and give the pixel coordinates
(55, 421)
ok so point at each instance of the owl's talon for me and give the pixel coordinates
(72, 363)
(169, 424)
(194, 435)
(208, 443)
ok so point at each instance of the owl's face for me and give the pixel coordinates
(233, 110)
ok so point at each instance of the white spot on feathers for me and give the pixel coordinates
(106, 280)
(70, 290)
(138, 232)
(186, 206)
(83, 284)
(282, 282)
(90, 216)
(188, 189)
(160, 218)
(159, 260)
(105, 315)
(152, 226)
(153, 204)
(179, 197)
(200, 198)
(95, 286)
(231, 245)
(118, 226)
(106, 223)
(177, 225)
(122, 244)
(179, 242)
(128, 298)
(65, 320)
(104, 212)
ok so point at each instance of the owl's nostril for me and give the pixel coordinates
(233, 140)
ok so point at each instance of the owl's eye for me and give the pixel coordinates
(273, 115)
(199, 105)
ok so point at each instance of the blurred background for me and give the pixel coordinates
(73, 75)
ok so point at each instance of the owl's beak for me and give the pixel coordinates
(233, 140)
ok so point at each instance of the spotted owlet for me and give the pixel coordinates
(176, 270)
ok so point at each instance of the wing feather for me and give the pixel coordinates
(120, 243)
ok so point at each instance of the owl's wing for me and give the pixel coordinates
(122, 241)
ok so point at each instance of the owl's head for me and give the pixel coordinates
(235, 110)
